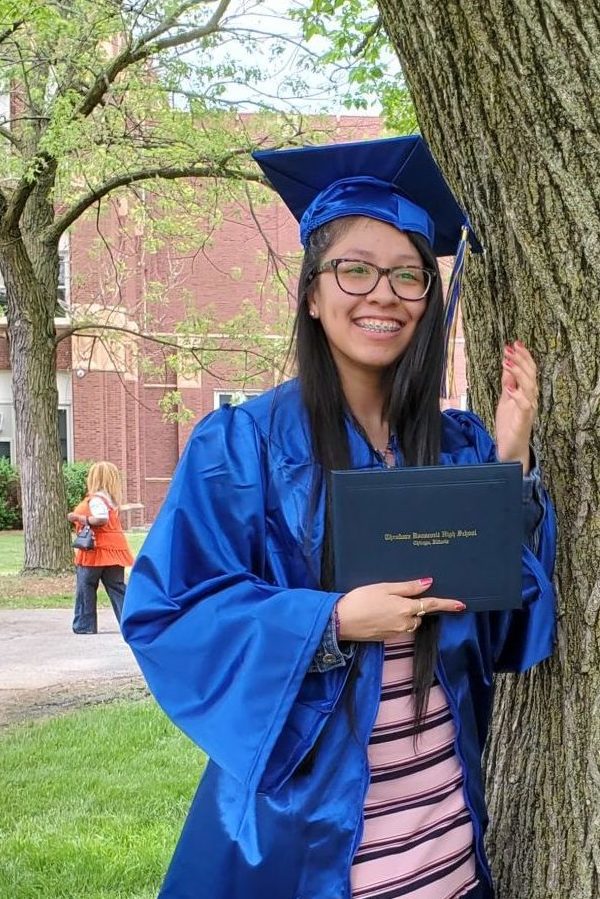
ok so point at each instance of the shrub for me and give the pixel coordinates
(75, 475)
(10, 500)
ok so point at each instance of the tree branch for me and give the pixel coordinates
(7, 133)
(98, 326)
(194, 34)
(148, 44)
(175, 344)
(4, 35)
(144, 47)
(40, 164)
(24, 75)
(151, 36)
(169, 174)
(272, 255)
(369, 34)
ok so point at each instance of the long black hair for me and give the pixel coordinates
(411, 391)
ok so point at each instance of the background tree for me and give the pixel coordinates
(507, 95)
(106, 97)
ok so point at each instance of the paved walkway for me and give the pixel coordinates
(45, 668)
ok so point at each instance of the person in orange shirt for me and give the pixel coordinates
(111, 554)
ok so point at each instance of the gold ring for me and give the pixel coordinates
(422, 610)
(411, 630)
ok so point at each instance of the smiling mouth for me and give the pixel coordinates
(379, 326)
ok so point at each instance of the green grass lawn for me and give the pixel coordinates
(92, 803)
(12, 553)
(17, 592)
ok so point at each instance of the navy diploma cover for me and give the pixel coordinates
(460, 524)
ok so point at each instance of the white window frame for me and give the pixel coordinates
(68, 409)
(217, 394)
(8, 415)
(12, 440)
(64, 252)
(65, 403)
(5, 109)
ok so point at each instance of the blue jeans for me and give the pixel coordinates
(85, 618)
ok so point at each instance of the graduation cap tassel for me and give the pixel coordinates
(451, 314)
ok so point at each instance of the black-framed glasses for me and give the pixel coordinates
(358, 278)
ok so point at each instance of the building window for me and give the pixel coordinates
(8, 435)
(234, 397)
(63, 435)
(8, 431)
(5, 109)
(7, 450)
(62, 282)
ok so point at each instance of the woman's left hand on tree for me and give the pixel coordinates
(517, 406)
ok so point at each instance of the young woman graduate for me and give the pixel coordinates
(344, 731)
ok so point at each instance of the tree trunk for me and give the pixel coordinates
(30, 317)
(506, 94)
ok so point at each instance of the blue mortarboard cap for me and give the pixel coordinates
(395, 180)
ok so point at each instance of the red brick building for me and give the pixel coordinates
(108, 397)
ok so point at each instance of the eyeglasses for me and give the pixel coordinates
(358, 278)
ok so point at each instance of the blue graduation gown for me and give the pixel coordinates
(224, 614)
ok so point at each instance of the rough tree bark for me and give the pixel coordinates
(507, 94)
(31, 277)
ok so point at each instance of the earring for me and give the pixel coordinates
(312, 313)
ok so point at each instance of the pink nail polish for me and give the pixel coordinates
(508, 349)
(509, 362)
(426, 581)
(460, 607)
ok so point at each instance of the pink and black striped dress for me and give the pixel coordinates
(418, 836)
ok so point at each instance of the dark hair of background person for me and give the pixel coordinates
(411, 404)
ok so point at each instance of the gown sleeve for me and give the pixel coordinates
(224, 651)
(521, 638)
